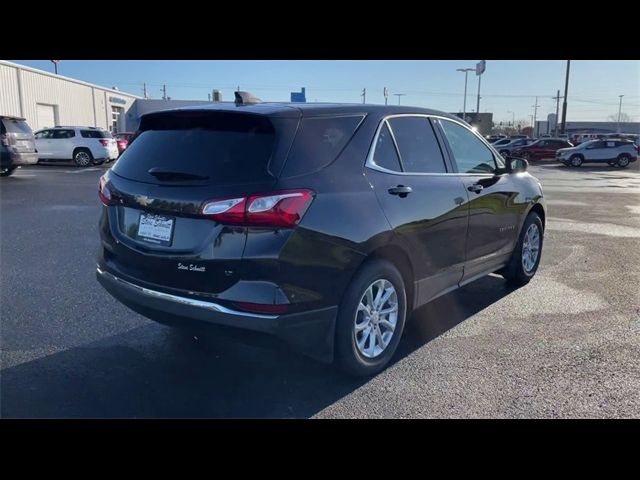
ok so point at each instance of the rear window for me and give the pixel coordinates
(95, 134)
(225, 148)
(318, 142)
(15, 126)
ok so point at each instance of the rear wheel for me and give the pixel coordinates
(623, 160)
(371, 319)
(7, 171)
(575, 160)
(526, 256)
(82, 157)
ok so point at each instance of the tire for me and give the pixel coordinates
(575, 160)
(7, 171)
(515, 273)
(82, 157)
(623, 160)
(355, 353)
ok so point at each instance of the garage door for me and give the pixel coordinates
(46, 116)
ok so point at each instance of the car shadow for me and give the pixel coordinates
(158, 372)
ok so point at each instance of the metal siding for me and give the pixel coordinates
(9, 98)
(74, 101)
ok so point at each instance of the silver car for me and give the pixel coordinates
(617, 151)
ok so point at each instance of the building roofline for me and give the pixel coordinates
(68, 79)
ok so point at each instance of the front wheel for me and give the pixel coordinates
(371, 319)
(526, 256)
(575, 160)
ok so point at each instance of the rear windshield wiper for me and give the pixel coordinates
(172, 175)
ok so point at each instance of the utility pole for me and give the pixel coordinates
(238, 88)
(164, 91)
(386, 95)
(564, 101)
(208, 96)
(399, 95)
(619, 112)
(555, 127)
(144, 89)
(535, 115)
(364, 96)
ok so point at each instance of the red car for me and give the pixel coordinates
(543, 148)
(122, 139)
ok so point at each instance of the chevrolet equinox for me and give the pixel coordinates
(325, 225)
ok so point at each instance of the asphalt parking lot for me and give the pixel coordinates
(566, 345)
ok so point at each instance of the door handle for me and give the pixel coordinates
(400, 190)
(476, 187)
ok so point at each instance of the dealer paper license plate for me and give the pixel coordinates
(155, 229)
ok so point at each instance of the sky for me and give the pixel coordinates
(506, 86)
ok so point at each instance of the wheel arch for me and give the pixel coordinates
(400, 259)
(539, 209)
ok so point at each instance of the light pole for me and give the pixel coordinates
(513, 120)
(464, 105)
(564, 102)
(619, 112)
(399, 95)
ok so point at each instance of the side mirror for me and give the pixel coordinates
(516, 165)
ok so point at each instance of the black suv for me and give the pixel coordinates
(325, 225)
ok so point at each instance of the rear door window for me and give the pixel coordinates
(418, 145)
(220, 147)
(318, 143)
(63, 134)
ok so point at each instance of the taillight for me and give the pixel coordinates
(277, 209)
(104, 142)
(104, 193)
(4, 140)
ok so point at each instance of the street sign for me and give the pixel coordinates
(480, 67)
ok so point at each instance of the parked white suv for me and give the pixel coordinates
(83, 145)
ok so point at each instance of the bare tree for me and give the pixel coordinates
(624, 117)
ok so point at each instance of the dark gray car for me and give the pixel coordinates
(17, 145)
(506, 149)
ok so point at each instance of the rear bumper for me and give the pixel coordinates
(24, 158)
(311, 332)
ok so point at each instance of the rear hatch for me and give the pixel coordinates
(17, 135)
(178, 162)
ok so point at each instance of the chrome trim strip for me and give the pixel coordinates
(369, 163)
(184, 300)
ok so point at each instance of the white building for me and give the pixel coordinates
(46, 99)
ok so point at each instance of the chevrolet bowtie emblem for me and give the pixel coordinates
(143, 200)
